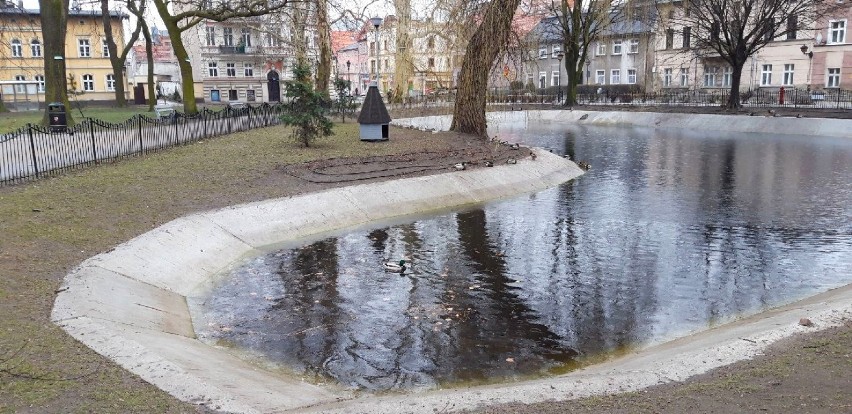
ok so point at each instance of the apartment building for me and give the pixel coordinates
(245, 59)
(86, 56)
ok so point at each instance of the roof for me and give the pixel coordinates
(374, 111)
(341, 39)
(71, 13)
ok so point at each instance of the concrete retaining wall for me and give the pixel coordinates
(132, 304)
(699, 122)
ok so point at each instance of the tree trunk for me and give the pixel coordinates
(734, 97)
(324, 64)
(149, 56)
(116, 61)
(187, 83)
(54, 21)
(300, 46)
(404, 70)
(484, 47)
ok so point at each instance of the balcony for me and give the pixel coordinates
(240, 50)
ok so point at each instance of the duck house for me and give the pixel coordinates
(374, 118)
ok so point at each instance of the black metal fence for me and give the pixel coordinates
(34, 152)
(758, 98)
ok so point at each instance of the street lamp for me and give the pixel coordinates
(376, 22)
(348, 79)
(559, 56)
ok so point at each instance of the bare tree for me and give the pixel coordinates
(403, 63)
(486, 44)
(117, 60)
(578, 23)
(188, 14)
(54, 15)
(735, 30)
(324, 38)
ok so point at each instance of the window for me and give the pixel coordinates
(246, 37)
(669, 38)
(210, 35)
(228, 36)
(230, 70)
(17, 50)
(554, 78)
(20, 88)
(271, 40)
(766, 75)
(35, 47)
(542, 52)
(788, 74)
(232, 95)
(687, 37)
(684, 76)
(88, 83)
(40, 80)
(372, 48)
(727, 76)
(212, 69)
(248, 70)
(616, 47)
(634, 46)
(542, 80)
(250, 95)
(215, 96)
(385, 42)
(833, 79)
(84, 48)
(631, 76)
(615, 76)
(667, 77)
(601, 49)
(710, 76)
(387, 67)
(110, 82)
(600, 77)
(529, 79)
(714, 31)
(555, 50)
(431, 62)
(105, 47)
(837, 31)
(792, 27)
(430, 42)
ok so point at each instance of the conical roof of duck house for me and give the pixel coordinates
(374, 118)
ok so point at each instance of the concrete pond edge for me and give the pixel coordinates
(132, 304)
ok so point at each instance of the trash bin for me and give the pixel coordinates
(56, 117)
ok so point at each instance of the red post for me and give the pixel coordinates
(781, 96)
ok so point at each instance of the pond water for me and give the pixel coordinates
(669, 232)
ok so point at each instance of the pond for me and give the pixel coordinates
(670, 232)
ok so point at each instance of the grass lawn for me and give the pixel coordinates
(11, 121)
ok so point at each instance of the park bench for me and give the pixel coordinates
(164, 112)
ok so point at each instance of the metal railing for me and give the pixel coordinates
(757, 98)
(34, 152)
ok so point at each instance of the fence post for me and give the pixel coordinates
(177, 138)
(32, 148)
(92, 134)
(228, 111)
(204, 120)
(141, 146)
(838, 98)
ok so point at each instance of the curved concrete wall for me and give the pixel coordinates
(701, 122)
(131, 304)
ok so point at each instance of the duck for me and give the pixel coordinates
(515, 146)
(460, 166)
(489, 163)
(584, 165)
(394, 267)
(533, 156)
(511, 161)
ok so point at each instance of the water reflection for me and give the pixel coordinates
(669, 232)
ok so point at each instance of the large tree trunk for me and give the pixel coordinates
(404, 70)
(187, 82)
(116, 60)
(734, 97)
(54, 21)
(300, 45)
(324, 64)
(484, 47)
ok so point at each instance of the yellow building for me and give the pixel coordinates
(86, 56)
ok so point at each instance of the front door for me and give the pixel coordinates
(274, 86)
